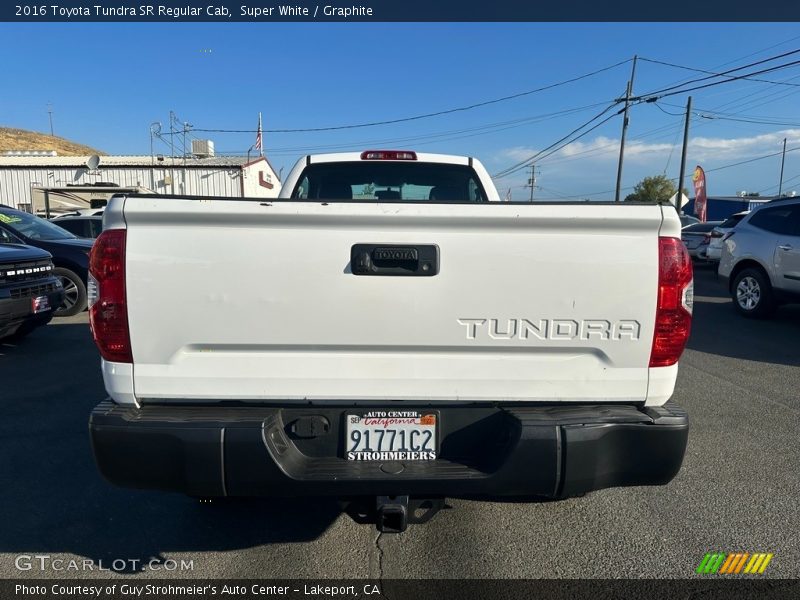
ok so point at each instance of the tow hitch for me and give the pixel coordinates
(393, 514)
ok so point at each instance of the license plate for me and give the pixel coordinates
(40, 304)
(391, 435)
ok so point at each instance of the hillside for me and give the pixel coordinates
(21, 139)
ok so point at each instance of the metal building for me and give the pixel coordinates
(235, 176)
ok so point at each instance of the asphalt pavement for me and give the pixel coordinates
(738, 490)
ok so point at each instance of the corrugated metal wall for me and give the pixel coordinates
(15, 183)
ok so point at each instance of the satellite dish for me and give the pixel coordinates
(93, 162)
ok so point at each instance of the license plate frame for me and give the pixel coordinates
(40, 304)
(387, 447)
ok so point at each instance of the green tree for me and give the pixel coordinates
(657, 188)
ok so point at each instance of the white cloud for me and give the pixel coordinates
(704, 148)
(602, 149)
(590, 165)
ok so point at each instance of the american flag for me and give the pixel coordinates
(258, 144)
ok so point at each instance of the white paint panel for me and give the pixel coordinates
(242, 300)
(662, 384)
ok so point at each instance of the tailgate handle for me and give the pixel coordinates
(403, 260)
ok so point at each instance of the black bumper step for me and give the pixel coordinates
(491, 451)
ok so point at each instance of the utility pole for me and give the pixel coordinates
(50, 115)
(155, 129)
(532, 180)
(628, 94)
(183, 171)
(678, 206)
(783, 161)
(172, 151)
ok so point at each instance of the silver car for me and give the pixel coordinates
(714, 250)
(696, 238)
(761, 258)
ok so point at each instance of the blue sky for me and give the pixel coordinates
(109, 82)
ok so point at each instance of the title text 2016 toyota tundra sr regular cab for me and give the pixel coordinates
(389, 329)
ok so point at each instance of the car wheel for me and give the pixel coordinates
(752, 294)
(74, 293)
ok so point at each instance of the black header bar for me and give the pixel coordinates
(275, 11)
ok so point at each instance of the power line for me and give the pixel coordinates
(588, 131)
(726, 114)
(746, 56)
(666, 112)
(426, 115)
(754, 121)
(662, 92)
(650, 133)
(713, 73)
(758, 97)
(599, 149)
(751, 160)
(722, 117)
(417, 140)
(721, 168)
(554, 192)
(522, 164)
(672, 148)
(653, 98)
(442, 135)
(785, 181)
(665, 92)
(676, 127)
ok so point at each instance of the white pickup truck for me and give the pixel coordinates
(388, 329)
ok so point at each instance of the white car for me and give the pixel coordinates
(714, 250)
(388, 328)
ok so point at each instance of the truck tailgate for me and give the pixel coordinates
(256, 301)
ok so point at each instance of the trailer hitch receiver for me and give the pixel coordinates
(392, 513)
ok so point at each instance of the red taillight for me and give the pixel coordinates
(108, 311)
(388, 155)
(674, 305)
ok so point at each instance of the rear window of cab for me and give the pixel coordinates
(392, 181)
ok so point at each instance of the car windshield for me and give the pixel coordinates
(33, 227)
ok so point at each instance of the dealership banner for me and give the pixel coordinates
(700, 198)
(266, 11)
(709, 588)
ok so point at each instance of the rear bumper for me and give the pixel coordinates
(485, 451)
(17, 312)
(698, 253)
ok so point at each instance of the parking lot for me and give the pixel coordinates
(738, 489)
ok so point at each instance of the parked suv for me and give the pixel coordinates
(70, 254)
(761, 258)
(714, 250)
(82, 226)
(29, 291)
